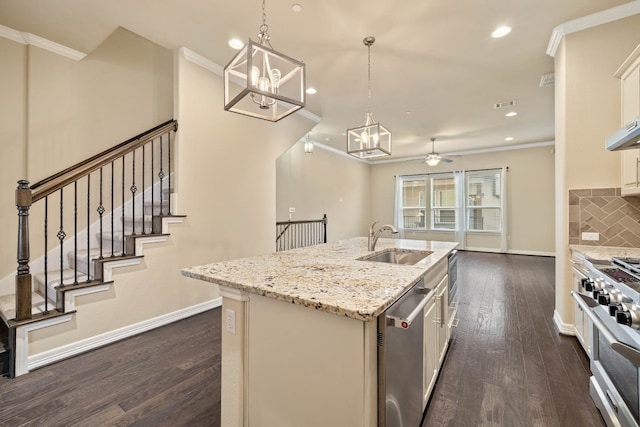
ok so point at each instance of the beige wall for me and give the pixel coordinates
(225, 181)
(324, 183)
(587, 111)
(12, 143)
(530, 196)
(60, 111)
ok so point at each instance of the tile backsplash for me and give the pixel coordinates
(604, 211)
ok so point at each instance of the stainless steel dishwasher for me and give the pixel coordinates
(400, 359)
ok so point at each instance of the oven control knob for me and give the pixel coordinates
(604, 298)
(623, 317)
(630, 318)
(614, 308)
(587, 284)
(596, 294)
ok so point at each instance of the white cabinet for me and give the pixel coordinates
(430, 350)
(436, 334)
(442, 318)
(629, 75)
(581, 321)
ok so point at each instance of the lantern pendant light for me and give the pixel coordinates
(371, 139)
(263, 83)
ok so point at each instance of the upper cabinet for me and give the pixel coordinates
(629, 75)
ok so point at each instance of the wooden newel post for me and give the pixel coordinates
(23, 277)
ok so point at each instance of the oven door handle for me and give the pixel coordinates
(626, 351)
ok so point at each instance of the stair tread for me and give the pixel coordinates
(54, 276)
(8, 305)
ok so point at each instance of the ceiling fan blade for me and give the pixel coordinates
(445, 160)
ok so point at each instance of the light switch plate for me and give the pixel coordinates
(591, 236)
(231, 321)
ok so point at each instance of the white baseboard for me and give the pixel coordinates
(510, 251)
(563, 328)
(534, 253)
(69, 350)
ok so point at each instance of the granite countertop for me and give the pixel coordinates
(603, 254)
(327, 277)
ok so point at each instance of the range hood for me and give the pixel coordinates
(626, 138)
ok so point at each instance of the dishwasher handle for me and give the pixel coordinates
(402, 321)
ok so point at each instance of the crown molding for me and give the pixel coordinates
(42, 43)
(211, 66)
(589, 21)
(201, 61)
(468, 152)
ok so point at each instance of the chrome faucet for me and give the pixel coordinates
(374, 235)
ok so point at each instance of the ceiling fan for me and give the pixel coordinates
(434, 158)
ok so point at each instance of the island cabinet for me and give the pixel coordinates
(436, 335)
(297, 367)
(300, 337)
(629, 75)
(582, 322)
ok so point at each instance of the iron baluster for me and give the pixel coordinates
(61, 235)
(113, 212)
(169, 173)
(88, 227)
(144, 213)
(75, 232)
(46, 256)
(100, 212)
(161, 176)
(152, 178)
(133, 189)
(122, 209)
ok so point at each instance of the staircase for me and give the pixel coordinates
(4, 349)
(102, 226)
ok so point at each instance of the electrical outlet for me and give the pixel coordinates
(591, 236)
(231, 321)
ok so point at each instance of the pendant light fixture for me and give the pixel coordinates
(263, 83)
(371, 139)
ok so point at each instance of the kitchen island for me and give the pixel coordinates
(299, 339)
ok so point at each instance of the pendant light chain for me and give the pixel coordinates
(369, 76)
(263, 35)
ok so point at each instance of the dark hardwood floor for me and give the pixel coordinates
(507, 366)
(166, 377)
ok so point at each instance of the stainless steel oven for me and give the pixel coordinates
(609, 297)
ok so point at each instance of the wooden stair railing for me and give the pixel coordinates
(298, 234)
(152, 146)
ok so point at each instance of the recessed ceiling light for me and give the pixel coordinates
(327, 139)
(501, 32)
(509, 138)
(408, 112)
(311, 91)
(236, 44)
(296, 8)
(511, 114)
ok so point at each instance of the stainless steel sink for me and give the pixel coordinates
(397, 256)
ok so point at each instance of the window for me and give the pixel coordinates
(443, 202)
(484, 200)
(414, 203)
(447, 202)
